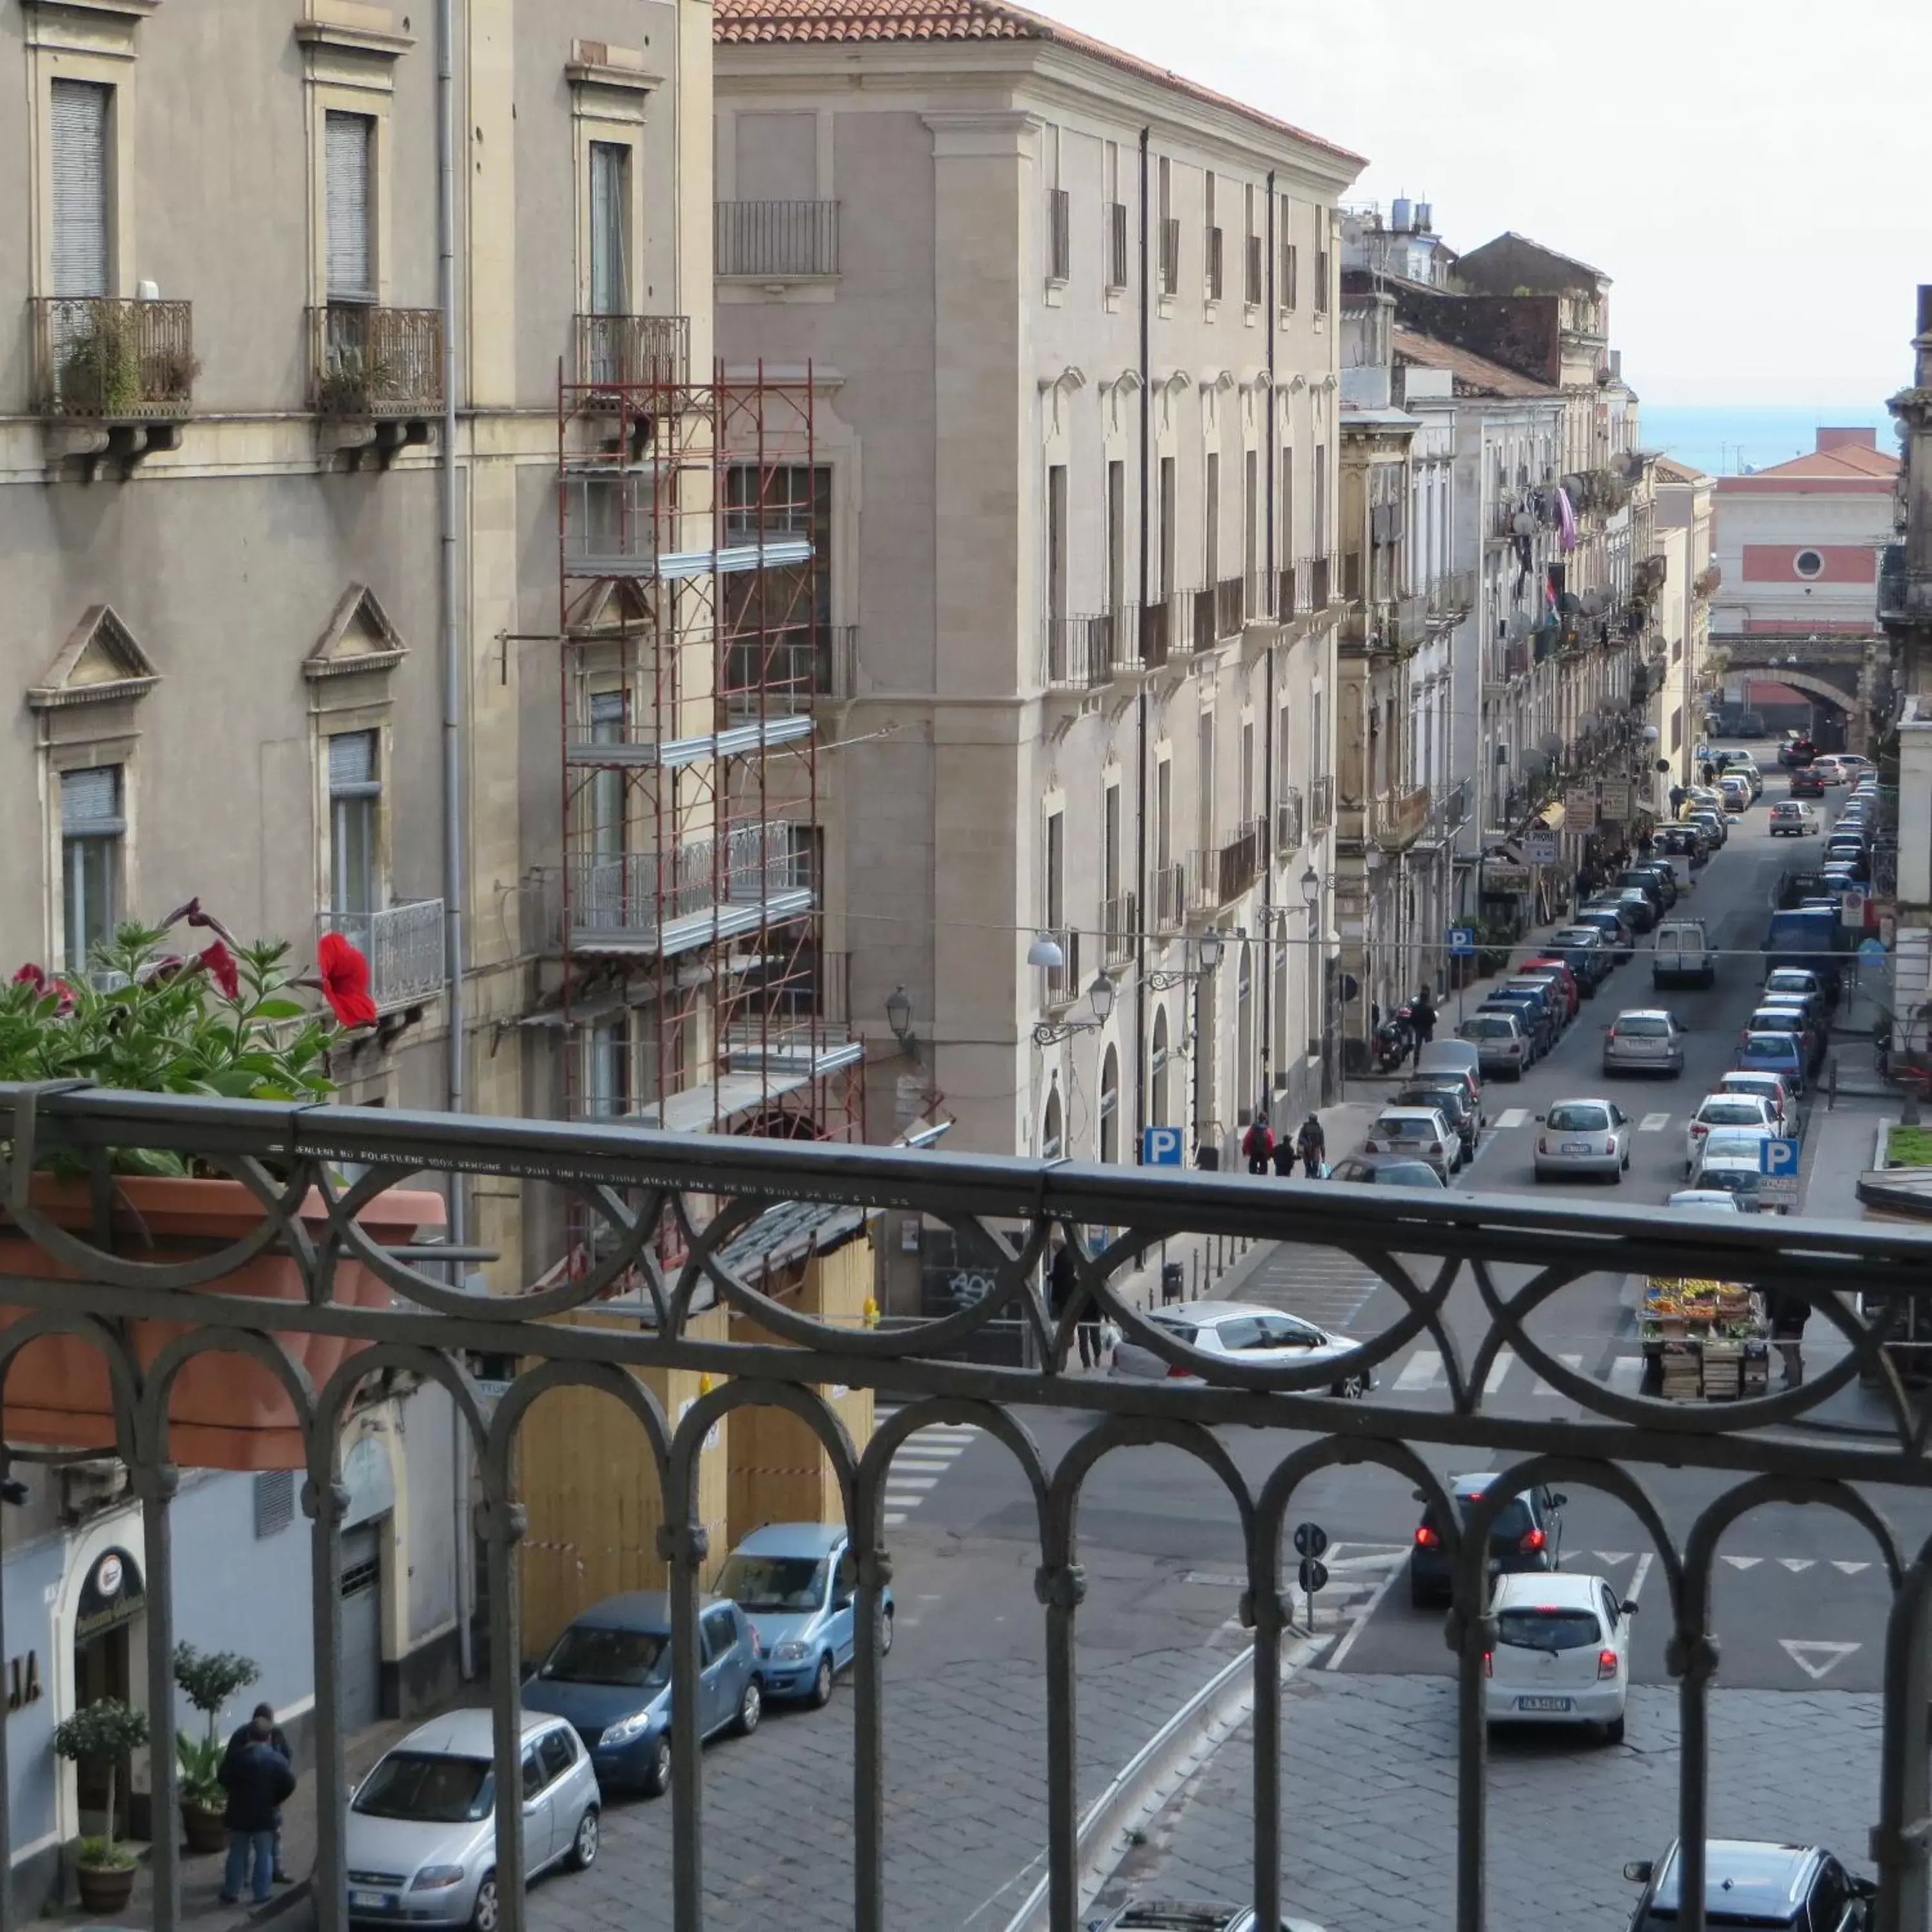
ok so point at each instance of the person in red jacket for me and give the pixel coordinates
(1257, 1143)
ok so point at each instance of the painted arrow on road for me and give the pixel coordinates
(1816, 1658)
(1849, 1569)
(1743, 1562)
(1797, 1564)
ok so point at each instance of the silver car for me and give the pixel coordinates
(1576, 1137)
(1247, 1332)
(1420, 1133)
(421, 1842)
(1646, 1040)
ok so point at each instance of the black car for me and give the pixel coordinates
(1644, 910)
(1528, 1535)
(1450, 1097)
(1657, 883)
(1805, 783)
(1747, 1882)
(1664, 873)
(1550, 990)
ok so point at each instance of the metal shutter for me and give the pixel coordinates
(91, 799)
(347, 145)
(610, 199)
(80, 188)
(352, 764)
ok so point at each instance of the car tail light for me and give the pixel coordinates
(1606, 1664)
(1489, 1664)
(1612, 1033)
(1434, 1147)
(1698, 1130)
(1542, 1145)
(1426, 1538)
(1177, 1373)
(1532, 1541)
(1370, 1147)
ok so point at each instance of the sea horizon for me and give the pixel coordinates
(1731, 440)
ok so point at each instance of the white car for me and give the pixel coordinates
(1726, 1143)
(1727, 1110)
(1586, 1136)
(1773, 1088)
(1828, 768)
(1245, 1332)
(1714, 1199)
(1561, 1654)
(1417, 1133)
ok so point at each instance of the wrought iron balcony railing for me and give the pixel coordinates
(1321, 803)
(360, 1306)
(777, 240)
(403, 945)
(1170, 897)
(625, 350)
(367, 361)
(106, 361)
(1119, 929)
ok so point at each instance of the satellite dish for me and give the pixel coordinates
(1552, 745)
(1523, 523)
(1593, 603)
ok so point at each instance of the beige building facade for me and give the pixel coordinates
(1076, 360)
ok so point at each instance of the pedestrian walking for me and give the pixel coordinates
(1063, 1285)
(258, 1779)
(1311, 1144)
(1257, 1143)
(1789, 1314)
(277, 1740)
(1286, 1153)
(1421, 1024)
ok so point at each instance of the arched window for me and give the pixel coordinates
(1157, 1113)
(1245, 1067)
(1052, 1133)
(1110, 1106)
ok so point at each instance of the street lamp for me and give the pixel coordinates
(1100, 997)
(1311, 897)
(1205, 952)
(899, 1017)
(1045, 951)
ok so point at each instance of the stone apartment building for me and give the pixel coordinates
(257, 591)
(1685, 537)
(1076, 355)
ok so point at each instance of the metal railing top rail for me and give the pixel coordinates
(1517, 1254)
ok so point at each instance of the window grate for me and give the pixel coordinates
(274, 1502)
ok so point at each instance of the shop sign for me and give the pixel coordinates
(1580, 808)
(1505, 875)
(23, 1680)
(1539, 848)
(1616, 805)
(113, 1595)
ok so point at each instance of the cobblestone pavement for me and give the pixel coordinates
(1369, 1797)
(965, 1812)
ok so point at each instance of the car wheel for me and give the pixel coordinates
(821, 1685)
(1613, 1731)
(657, 1777)
(885, 1631)
(1351, 1388)
(751, 1707)
(483, 1915)
(1617, 1177)
(584, 1843)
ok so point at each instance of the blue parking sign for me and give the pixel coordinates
(1778, 1158)
(1462, 942)
(1160, 1147)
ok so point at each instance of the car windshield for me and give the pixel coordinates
(1771, 1045)
(1731, 1180)
(586, 1654)
(1576, 1118)
(427, 1787)
(1493, 1027)
(1405, 1174)
(774, 1582)
(1511, 1526)
(1642, 1026)
(1548, 1628)
(1738, 1113)
(1789, 982)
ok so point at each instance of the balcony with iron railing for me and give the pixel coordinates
(1205, 621)
(777, 240)
(1083, 653)
(404, 946)
(709, 888)
(1230, 608)
(1259, 591)
(627, 351)
(1321, 803)
(1169, 898)
(1063, 984)
(111, 376)
(1904, 595)
(1321, 582)
(367, 362)
(1397, 820)
(1290, 817)
(1451, 597)
(1120, 929)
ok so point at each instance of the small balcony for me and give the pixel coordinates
(1321, 804)
(1230, 608)
(1120, 929)
(1290, 816)
(375, 375)
(1904, 595)
(1205, 620)
(777, 240)
(1155, 630)
(1321, 583)
(1258, 593)
(1397, 820)
(1451, 598)
(620, 351)
(1083, 653)
(1219, 874)
(113, 378)
(1063, 981)
(403, 945)
(1170, 897)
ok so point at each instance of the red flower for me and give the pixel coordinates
(345, 981)
(67, 995)
(220, 964)
(30, 975)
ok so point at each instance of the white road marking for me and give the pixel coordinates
(938, 1464)
(1611, 1556)
(1422, 1370)
(895, 1483)
(1510, 1117)
(1642, 1571)
(1816, 1658)
(1653, 1123)
(1849, 1569)
(1626, 1373)
(1797, 1565)
(893, 1518)
(1336, 1657)
(1499, 1368)
(1743, 1562)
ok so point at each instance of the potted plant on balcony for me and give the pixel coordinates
(208, 1679)
(220, 1021)
(99, 368)
(103, 1733)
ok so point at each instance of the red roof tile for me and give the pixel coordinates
(1475, 375)
(762, 23)
(1848, 462)
(1671, 471)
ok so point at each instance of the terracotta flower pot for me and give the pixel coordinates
(104, 1889)
(202, 1829)
(225, 1412)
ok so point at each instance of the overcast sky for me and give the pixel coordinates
(1755, 175)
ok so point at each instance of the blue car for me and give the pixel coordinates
(609, 1674)
(1774, 1053)
(790, 1580)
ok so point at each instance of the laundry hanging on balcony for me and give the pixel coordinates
(1566, 521)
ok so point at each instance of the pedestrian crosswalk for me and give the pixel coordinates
(1321, 1285)
(1425, 1369)
(924, 1456)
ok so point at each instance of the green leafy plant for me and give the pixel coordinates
(103, 1732)
(1910, 1147)
(100, 366)
(200, 1762)
(208, 1679)
(220, 1022)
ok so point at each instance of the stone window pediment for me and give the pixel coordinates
(101, 661)
(358, 638)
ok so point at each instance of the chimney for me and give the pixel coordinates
(1923, 341)
(1846, 439)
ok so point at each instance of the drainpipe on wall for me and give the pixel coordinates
(1143, 910)
(451, 648)
(1268, 722)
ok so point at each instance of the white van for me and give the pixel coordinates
(1682, 955)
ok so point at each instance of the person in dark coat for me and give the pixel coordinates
(1421, 1024)
(1284, 1156)
(278, 1741)
(1063, 1282)
(1789, 1314)
(1311, 1144)
(258, 1779)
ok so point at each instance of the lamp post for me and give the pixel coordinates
(1311, 898)
(1205, 953)
(1099, 998)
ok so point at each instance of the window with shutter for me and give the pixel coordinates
(610, 219)
(92, 832)
(80, 122)
(355, 799)
(348, 148)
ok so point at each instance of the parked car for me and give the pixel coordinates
(1555, 1001)
(1532, 1011)
(1168, 1914)
(609, 1673)
(1661, 894)
(1733, 1174)
(1584, 949)
(1720, 1145)
(1646, 1040)
(1660, 869)
(1682, 955)
(1807, 784)
(1545, 967)
(1789, 982)
(1772, 1087)
(1415, 1133)
(1499, 1039)
(420, 1839)
(1561, 1653)
(1527, 1535)
(1619, 934)
(1710, 820)
(1783, 1888)
(1775, 1016)
(1713, 1198)
(1792, 818)
(1459, 1057)
(1249, 1334)
(1378, 1170)
(1644, 910)
(1580, 1137)
(1736, 792)
(1717, 1110)
(1451, 1098)
(790, 1580)
(1740, 764)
